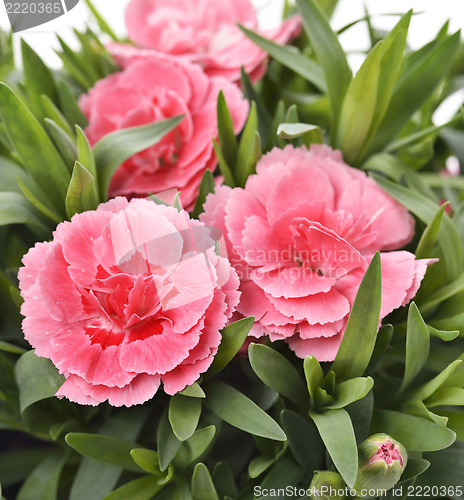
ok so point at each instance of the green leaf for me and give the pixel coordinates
(94, 479)
(82, 192)
(37, 379)
(390, 63)
(115, 148)
(309, 133)
(226, 134)
(193, 391)
(206, 187)
(103, 25)
(84, 152)
(425, 209)
(313, 374)
(336, 430)
(285, 472)
(224, 481)
(16, 209)
(349, 391)
(195, 446)
(37, 78)
(417, 345)
(202, 484)
(290, 57)
(45, 210)
(445, 335)
(233, 337)
(224, 168)
(414, 468)
(25, 132)
(430, 387)
(414, 86)
(354, 127)
(168, 444)
(239, 411)
(249, 150)
(360, 413)
(184, 414)
(62, 141)
(147, 460)
(259, 464)
(44, 479)
(429, 237)
(69, 107)
(358, 341)
(330, 55)
(7, 347)
(139, 489)
(53, 113)
(304, 440)
(415, 433)
(277, 373)
(446, 396)
(106, 449)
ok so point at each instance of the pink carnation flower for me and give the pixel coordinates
(155, 88)
(301, 235)
(205, 32)
(120, 300)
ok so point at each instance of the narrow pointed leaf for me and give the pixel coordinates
(236, 409)
(202, 484)
(82, 192)
(336, 430)
(53, 113)
(106, 449)
(313, 374)
(290, 57)
(425, 209)
(417, 345)
(429, 236)
(206, 187)
(168, 444)
(25, 132)
(69, 106)
(358, 341)
(415, 433)
(277, 372)
(184, 414)
(226, 134)
(37, 379)
(115, 148)
(430, 387)
(233, 337)
(414, 87)
(139, 489)
(354, 127)
(37, 78)
(64, 144)
(329, 53)
(304, 440)
(16, 209)
(309, 133)
(350, 391)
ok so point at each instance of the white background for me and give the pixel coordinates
(424, 26)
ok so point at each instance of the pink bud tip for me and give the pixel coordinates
(387, 452)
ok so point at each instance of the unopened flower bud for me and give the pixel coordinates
(327, 485)
(381, 462)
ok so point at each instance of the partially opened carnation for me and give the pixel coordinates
(125, 297)
(151, 89)
(205, 32)
(301, 235)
